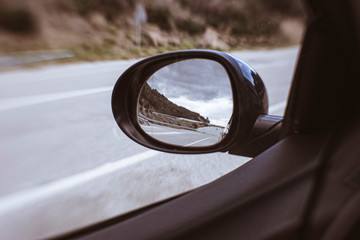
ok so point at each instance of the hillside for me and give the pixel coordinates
(105, 29)
(154, 105)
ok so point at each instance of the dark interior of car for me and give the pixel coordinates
(305, 186)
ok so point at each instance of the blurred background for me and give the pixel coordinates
(65, 164)
(108, 29)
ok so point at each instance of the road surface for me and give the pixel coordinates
(64, 162)
(181, 137)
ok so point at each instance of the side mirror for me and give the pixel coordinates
(192, 101)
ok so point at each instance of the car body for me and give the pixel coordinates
(303, 182)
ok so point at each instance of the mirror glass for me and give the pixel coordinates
(187, 103)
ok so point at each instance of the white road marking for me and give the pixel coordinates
(166, 133)
(25, 198)
(11, 103)
(198, 141)
(152, 128)
(274, 108)
(279, 63)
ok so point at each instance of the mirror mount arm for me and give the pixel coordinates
(264, 134)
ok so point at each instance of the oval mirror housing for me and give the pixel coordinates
(191, 101)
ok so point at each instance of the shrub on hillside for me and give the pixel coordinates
(159, 15)
(247, 17)
(109, 8)
(19, 21)
(190, 26)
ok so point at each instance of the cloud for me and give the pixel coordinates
(195, 79)
(218, 110)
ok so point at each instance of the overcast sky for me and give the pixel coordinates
(200, 85)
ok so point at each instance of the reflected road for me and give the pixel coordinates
(181, 137)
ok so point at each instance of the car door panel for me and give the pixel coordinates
(265, 197)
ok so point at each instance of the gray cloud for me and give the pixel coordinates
(195, 79)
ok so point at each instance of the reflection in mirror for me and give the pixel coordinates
(187, 103)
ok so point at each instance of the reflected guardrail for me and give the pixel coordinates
(144, 118)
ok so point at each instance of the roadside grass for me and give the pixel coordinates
(110, 50)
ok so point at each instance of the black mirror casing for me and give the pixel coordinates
(249, 96)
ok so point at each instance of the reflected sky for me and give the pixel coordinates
(200, 85)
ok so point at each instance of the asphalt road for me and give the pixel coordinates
(65, 163)
(181, 137)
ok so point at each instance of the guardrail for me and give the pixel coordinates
(143, 117)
